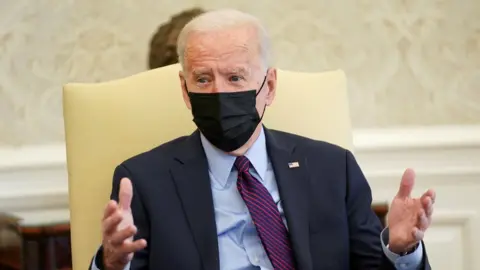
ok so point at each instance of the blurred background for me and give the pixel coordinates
(413, 69)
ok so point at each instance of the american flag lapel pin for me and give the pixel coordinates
(294, 164)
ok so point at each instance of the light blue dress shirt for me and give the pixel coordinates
(239, 246)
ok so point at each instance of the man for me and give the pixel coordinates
(236, 195)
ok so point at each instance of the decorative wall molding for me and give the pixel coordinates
(33, 179)
(33, 182)
(440, 155)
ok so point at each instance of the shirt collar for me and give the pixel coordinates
(220, 163)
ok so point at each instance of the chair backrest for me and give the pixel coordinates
(106, 123)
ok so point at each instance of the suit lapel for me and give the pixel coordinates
(190, 174)
(293, 187)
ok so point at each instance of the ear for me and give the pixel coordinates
(183, 84)
(271, 85)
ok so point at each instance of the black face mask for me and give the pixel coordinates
(226, 119)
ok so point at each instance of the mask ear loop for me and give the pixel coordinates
(185, 85)
(261, 88)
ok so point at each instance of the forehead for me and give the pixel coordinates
(232, 48)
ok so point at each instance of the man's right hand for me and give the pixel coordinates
(118, 230)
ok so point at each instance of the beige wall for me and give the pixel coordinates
(408, 62)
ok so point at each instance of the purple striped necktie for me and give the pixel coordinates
(265, 216)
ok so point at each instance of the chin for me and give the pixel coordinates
(240, 151)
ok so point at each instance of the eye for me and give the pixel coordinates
(235, 78)
(202, 80)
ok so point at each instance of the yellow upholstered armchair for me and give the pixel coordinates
(106, 123)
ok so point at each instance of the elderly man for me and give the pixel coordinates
(226, 196)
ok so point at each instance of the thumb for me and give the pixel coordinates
(125, 194)
(407, 183)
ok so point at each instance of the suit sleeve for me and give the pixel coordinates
(140, 219)
(365, 229)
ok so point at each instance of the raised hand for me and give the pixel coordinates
(409, 218)
(118, 230)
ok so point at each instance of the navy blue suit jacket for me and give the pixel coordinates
(327, 203)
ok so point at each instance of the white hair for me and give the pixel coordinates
(219, 20)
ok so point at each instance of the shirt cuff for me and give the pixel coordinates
(94, 265)
(407, 262)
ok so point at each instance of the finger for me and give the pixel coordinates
(110, 209)
(110, 224)
(429, 193)
(417, 234)
(406, 184)
(120, 236)
(129, 247)
(426, 202)
(423, 221)
(125, 194)
(429, 211)
(433, 195)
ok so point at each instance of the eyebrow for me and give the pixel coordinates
(200, 71)
(237, 69)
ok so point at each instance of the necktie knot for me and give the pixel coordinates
(242, 164)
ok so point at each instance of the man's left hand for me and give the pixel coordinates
(408, 217)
